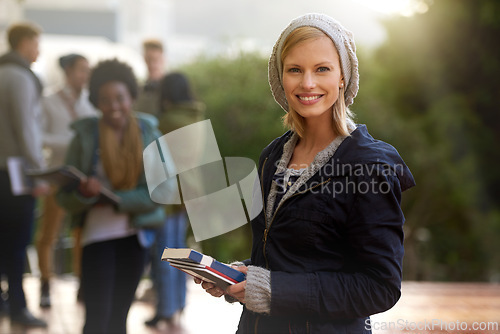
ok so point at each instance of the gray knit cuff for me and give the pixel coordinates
(258, 290)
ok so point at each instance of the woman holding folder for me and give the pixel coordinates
(109, 150)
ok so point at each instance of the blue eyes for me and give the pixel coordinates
(319, 69)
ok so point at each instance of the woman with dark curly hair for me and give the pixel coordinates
(109, 150)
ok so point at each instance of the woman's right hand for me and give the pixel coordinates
(90, 187)
(210, 288)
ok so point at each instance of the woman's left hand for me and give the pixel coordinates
(238, 290)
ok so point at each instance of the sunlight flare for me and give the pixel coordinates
(392, 7)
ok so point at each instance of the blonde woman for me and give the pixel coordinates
(328, 246)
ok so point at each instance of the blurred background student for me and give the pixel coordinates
(60, 109)
(154, 57)
(109, 150)
(178, 108)
(20, 136)
(148, 102)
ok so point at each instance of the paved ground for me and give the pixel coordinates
(66, 315)
(432, 307)
(424, 308)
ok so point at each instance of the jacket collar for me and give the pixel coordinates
(359, 149)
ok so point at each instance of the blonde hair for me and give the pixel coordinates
(152, 44)
(342, 116)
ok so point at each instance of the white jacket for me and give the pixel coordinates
(56, 118)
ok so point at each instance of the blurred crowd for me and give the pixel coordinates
(98, 121)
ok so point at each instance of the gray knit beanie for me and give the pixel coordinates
(344, 42)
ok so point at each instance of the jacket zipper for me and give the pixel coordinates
(290, 327)
(256, 324)
(264, 238)
(268, 227)
(266, 230)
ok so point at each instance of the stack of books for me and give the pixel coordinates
(202, 266)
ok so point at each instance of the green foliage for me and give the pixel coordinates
(245, 119)
(243, 113)
(430, 90)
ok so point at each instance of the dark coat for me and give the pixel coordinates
(335, 248)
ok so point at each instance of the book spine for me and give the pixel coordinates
(201, 258)
(228, 271)
(221, 274)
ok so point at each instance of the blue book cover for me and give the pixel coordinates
(191, 256)
(228, 271)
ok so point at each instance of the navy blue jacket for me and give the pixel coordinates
(335, 248)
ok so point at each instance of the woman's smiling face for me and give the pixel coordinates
(312, 77)
(115, 103)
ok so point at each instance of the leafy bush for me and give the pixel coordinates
(245, 119)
